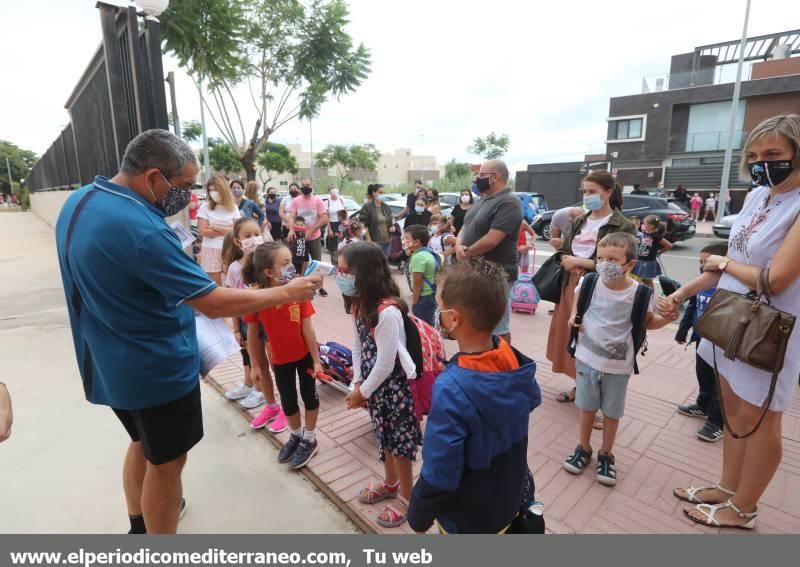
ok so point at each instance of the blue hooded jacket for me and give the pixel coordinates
(475, 451)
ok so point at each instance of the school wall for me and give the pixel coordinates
(47, 204)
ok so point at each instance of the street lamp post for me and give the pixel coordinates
(726, 165)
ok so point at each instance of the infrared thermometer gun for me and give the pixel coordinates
(317, 268)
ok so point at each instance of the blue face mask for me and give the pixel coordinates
(347, 284)
(288, 274)
(592, 202)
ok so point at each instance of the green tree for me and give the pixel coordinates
(490, 147)
(454, 170)
(21, 162)
(275, 159)
(222, 156)
(191, 131)
(348, 159)
(296, 54)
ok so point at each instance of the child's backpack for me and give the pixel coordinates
(638, 316)
(426, 347)
(524, 296)
(396, 252)
(337, 362)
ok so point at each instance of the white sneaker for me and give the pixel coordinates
(240, 392)
(253, 400)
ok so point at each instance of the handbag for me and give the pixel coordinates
(548, 279)
(749, 329)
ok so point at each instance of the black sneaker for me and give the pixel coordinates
(606, 471)
(323, 293)
(303, 453)
(578, 460)
(289, 448)
(692, 410)
(710, 432)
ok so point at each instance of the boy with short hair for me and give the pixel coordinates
(605, 349)
(474, 476)
(300, 254)
(422, 269)
(706, 405)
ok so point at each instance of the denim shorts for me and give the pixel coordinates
(596, 390)
(425, 309)
(504, 326)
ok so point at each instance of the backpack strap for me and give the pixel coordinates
(438, 261)
(641, 302)
(413, 340)
(584, 300)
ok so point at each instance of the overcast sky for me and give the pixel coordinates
(445, 70)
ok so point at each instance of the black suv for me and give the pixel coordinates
(680, 225)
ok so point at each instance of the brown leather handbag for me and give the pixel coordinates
(749, 329)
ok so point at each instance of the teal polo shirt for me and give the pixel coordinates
(127, 281)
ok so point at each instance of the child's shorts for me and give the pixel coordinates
(596, 390)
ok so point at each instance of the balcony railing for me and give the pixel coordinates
(703, 77)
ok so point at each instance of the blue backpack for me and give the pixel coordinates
(436, 258)
(337, 361)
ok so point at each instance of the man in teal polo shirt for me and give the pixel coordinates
(131, 294)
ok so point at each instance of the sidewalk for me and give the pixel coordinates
(656, 447)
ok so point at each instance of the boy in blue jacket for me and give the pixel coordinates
(475, 476)
(707, 404)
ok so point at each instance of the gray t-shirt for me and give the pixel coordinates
(561, 220)
(502, 212)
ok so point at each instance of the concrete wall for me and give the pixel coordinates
(47, 204)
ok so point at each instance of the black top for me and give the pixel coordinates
(501, 211)
(414, 217)
(649, 245)
(458, 215)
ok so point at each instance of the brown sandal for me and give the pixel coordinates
(566, 397)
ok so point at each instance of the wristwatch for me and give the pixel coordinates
(723, 265)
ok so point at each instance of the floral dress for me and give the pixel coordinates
(391, 407)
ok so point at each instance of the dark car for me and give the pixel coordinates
(680, 225)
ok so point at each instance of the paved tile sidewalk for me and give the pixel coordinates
(656, 447)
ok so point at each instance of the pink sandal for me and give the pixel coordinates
(391, 517)
(372, 495)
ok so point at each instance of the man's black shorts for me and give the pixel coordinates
(166, 431)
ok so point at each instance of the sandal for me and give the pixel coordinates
(391, 517)
(712, 512)
(566, 397)
(691, 493)
(372, 494)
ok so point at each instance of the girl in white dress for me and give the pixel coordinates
(766, 234)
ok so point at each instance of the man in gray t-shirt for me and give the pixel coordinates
(491, 227)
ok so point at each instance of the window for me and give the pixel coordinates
(713, 160)
(284, 183)
(626, 129)
(686, 162)
(708, 126)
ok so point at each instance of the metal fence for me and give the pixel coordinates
(120, 94)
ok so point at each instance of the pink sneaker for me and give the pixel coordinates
(267, 414)
(279, 425)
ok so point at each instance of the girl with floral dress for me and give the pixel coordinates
(382, 367)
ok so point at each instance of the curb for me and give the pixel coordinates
(315, 480)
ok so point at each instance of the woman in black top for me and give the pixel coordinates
(419, 214)
(460, 210)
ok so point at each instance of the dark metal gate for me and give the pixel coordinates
(120, 94)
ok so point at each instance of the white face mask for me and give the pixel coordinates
(214, 196)
(250, 244)
(434, 230)
(465, 199)
(334, 193)
(610, 272)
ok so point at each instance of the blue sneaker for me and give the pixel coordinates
(288, 450)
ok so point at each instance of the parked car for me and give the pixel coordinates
(350, 204)
(449, 199)
(532, 203)
(722, 228)
(680, 225)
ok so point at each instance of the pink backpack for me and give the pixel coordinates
(426, 347)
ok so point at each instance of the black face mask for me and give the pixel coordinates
(294, 193)
(483, 184)
(306, 190)
(771, 173)
(271, 196)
